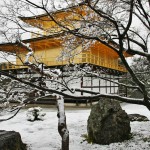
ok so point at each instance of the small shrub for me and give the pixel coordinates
(86, 138)
(35, 113)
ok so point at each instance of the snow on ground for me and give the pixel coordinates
(43, 135)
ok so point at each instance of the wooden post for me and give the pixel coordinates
(62, 127)
(126, 89)
(91, 83)
(110, 84)
(118, 87)
(99, 85)
(81, 84)
(106, 82)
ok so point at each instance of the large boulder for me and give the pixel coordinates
(11, 140)
(108, 123)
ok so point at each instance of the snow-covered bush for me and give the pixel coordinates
(35, 113)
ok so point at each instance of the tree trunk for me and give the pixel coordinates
(62, 127)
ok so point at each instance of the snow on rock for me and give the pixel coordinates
(43, 135)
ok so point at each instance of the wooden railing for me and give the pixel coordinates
(11, 66)
(84, 58)
(104, 62)
(92, 59)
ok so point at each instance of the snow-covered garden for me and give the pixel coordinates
(43, 135)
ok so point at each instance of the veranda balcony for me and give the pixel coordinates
(84, 58)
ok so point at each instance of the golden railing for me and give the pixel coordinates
(11, 66)
(106, 62)
(84, 58)
(92, 59)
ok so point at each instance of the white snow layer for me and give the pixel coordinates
(43, 135)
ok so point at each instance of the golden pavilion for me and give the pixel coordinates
(48, 45)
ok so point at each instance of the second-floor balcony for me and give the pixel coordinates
(84, 58)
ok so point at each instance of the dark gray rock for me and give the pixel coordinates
(108, 123)
(11, 140)
(137, 117)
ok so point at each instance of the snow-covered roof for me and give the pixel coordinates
(11, 47)
(51, 12)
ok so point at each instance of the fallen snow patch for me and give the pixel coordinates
(43, 135)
